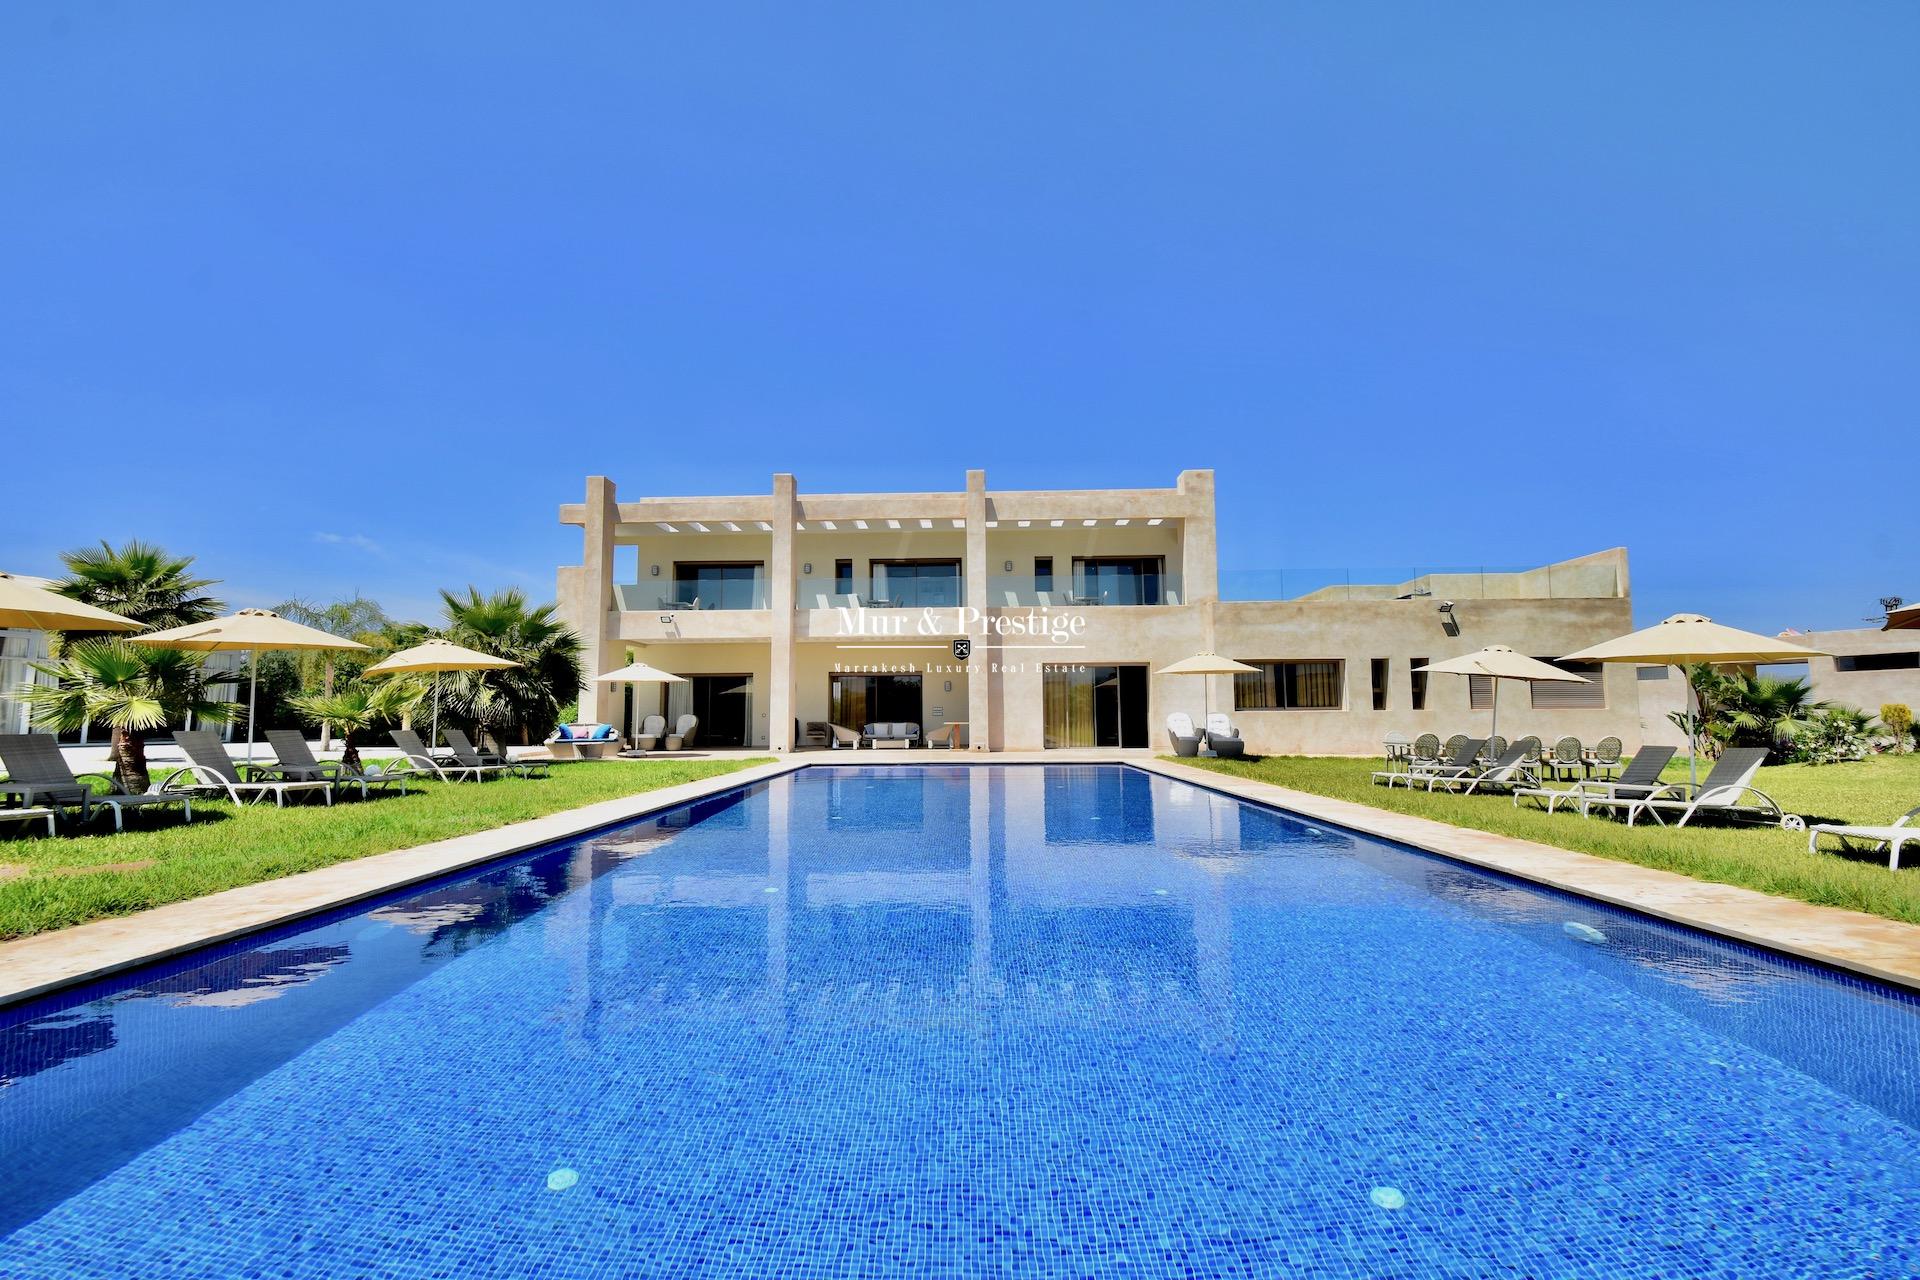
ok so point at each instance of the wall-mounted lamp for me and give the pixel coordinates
(656, 571)
(1448, 622)
(949, 686)
(807, 568)
(1006, 566)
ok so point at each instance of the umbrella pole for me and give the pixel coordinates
(1493, 731)
(1693, 727)
(1206, 710)
(253, 691)
(434, 741)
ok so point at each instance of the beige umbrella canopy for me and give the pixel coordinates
(436, 656)
(1688, 638)
(28, 604)
(1500, 662)
(1206, 664)
(251, 630)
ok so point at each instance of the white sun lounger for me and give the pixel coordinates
(1894, 837)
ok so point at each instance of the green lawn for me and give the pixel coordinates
(52, 882)
(1873, 791)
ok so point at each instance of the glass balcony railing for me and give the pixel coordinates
(1102, 586)
(893, 591)
(676, 597)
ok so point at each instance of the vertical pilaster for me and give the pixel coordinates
(979, 679)
(1199, 555)
(597, 701)
(780, 603)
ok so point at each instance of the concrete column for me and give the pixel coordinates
(1199, 555)
(780, 603)
(597, 701)
(985, 650)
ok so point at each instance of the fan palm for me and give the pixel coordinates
(357, 619)
(356, 710)
(1754, 710)
(140, 581)
(523, 703)
(131, 689)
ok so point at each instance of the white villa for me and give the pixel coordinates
(788, 611)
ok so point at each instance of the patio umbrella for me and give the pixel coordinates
(1206, 664)
(252, 630)
(1905, 619)
(1687, 638)
(436, 656)
(28, 604)
(639, 673)
(1499, 662)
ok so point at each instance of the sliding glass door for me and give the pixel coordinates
(856, 700)
(1094, 706)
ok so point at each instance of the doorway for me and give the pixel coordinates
(725, 707)
(1095, 706)
(855, 700)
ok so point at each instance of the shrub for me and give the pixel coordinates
(1898, 718)
(1832, 737)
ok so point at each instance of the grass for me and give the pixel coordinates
(1872, 792)
(53, 882)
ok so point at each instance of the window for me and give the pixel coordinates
(1043, 573)
(1479, 692)
(843, 577)
(1552, 695)
(1650, 673)
(1379, 684)
(1290, 686)
(1419, 678)
(717, 585)
(1119, 579)
(1877, 662)
(917, 583)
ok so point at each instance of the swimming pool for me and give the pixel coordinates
(1019, 1020)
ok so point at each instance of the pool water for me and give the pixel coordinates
(1023, 1021)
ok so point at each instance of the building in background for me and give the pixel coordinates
(787, 611)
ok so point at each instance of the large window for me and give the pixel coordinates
(716, 585)
(1290, 686)
(1119, 579)
(1094, 706)
(921, 584)
(1906, 661)
(854, 700)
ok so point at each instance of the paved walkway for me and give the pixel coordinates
(1883, 949)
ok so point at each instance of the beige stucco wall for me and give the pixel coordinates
(1867, 690)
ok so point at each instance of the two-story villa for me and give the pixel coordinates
(787, 611)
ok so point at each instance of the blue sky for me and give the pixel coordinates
(351, 296)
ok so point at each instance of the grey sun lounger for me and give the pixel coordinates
(293, 758)
(210, 770)
(36, 771)
(1728, 792)
(1893, 836)
(447, 769)
(1640, 779)
(468, 756)
(1459, 761)
(1519, 763)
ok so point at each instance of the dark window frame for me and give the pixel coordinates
(1279, 683)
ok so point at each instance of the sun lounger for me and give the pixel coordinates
(210, 770)
(1893, 836)
(1728, 792)
(293, 758)
(469, 756)
(445, 768)
(1518, 764)
(1180, 728)
(1223, 739)
(1640, 779)
(34, 814)
(36, 771)
(1461, 759)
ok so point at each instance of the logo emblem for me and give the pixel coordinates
(962, 649)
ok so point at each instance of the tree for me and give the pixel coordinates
(1741, 709)
(523, 703)
(316, 671)
(130, 688)
(140, 581)
(357, 710)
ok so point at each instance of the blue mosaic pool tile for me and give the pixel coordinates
(1062, 1022)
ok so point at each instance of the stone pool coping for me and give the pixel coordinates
(1873, 946)
(1887, 950)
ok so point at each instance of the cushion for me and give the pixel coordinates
(565, 734)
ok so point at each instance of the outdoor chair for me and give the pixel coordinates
(947, 736)
(1223, 739)
(445, 768)
(211, 771)
(294, 759)
(1606, 754)
(1892, 836)
(652, 729)
(1728, 792)
(1399, 753)
(470, 756)
(1461, 759)
(1514, 766)
(1569, 757)
(1180, 728)
(898, 735)
(683, 730)
(36, 771)
(1640, 780)
(584, 741)
(1496, 747)
(841, 736)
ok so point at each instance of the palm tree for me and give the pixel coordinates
(131, 689)
(140, 581)
(356, 710)
(358, 619)
(524, 702)
(1754, 710)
